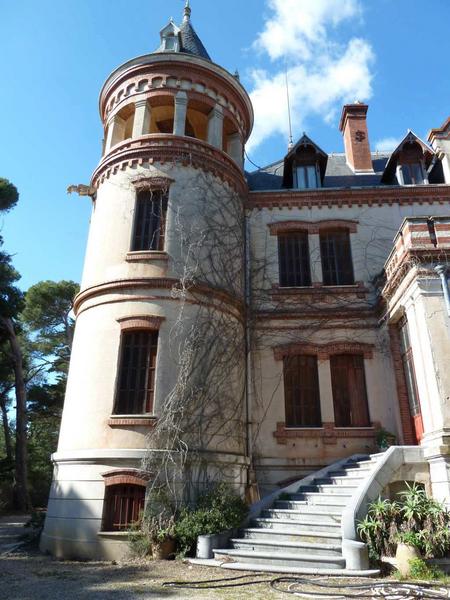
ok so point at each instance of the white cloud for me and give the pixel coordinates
(323, 74)
(387, 144)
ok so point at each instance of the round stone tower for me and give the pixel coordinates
(163, 277)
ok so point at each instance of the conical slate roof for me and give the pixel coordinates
(190, 42)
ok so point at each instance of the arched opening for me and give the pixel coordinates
(197, 120)
(162, 114)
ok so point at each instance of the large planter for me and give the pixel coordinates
(163, 550)
(206, 544)
(404, 554)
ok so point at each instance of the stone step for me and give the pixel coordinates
(320, 499)
(298, 528)
(350, 472)
(282, 559)
(308, 509)
(332, 536)
(298, 516)
(238, 566)
(330, 488)
(346, 481)
(274, 547)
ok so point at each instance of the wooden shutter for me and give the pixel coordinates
(150, 221)
(337, 264)
(302, 397)
(293, 255)
(136, 377)
(349, 391)
(124, 505)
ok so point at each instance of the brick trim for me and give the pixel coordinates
(132, 422)
(328, 433)
(126, 477)
(402, 391)
(148, 322)
(324, 351)
(371, 196)
(312, 227)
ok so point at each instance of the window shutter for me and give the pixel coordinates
(302, 397)
(349, 391)
(293, 256)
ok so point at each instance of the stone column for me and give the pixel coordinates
(235, 149)
(215, 127)
(179, 121)
(315, 258)
(116, 132)
(141, 125)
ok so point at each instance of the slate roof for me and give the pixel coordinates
(190, 42)
(338, 174)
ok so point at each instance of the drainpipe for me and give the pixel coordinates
(248, 359)
(441, 270)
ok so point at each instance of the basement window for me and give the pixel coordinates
(124, 505)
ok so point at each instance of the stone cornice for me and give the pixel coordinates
(167, 148)
(343, 197)
(120, 285)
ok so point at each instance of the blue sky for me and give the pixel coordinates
(55, 55)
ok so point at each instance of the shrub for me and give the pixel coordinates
(419, 569)
(421, 520)
(218, 510)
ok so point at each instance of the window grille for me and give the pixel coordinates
(124, 505)
(301, 389)
(293, 256)
(150, 221)
(337, 265)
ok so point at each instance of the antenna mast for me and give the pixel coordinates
(291, 141)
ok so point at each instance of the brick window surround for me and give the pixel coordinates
(312, 227)
(137, 323)
(124, 499)
(324, 351)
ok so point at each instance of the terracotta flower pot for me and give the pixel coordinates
(163, 550)
(404, 554)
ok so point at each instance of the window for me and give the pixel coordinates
(136, 377)
(337, 266)
(412, 174)
(123, 506)
(301, 389)
(293, 257)
(150, 221)
(349, 391)
(306, 176)
(408, 367)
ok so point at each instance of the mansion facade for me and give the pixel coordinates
(320, 283)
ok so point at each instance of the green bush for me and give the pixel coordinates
(422, 571)
(415, 517)
(218, 510)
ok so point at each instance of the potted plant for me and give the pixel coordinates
(385, 439)
(160, 530)
(408, 549)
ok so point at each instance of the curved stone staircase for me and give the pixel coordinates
(300, 532)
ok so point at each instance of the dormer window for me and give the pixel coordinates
(411, 174)
(304, 166)
(170, 42)
(306, 176)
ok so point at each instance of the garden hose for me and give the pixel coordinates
(390, 590)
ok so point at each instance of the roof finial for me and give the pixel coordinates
(187, 11)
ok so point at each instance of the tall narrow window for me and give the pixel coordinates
(123, 506)
(306, 176)
(293, 255)
(349, 391)
(136, 378)
(150, 221)
(336, 256)
(410, 376)
(301, 389)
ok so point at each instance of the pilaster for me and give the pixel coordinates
(179, 121)
(141, 125)
(215, 127)
(315, 258)
(235, 148)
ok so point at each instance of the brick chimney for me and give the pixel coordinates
(353, 126)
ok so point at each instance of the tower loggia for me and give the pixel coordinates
(175, 128)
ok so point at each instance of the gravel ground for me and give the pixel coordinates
(33, 576)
